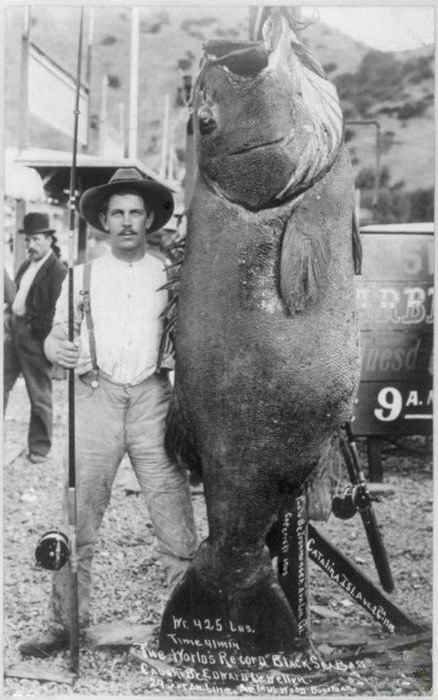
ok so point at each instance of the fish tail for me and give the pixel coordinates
(257, 619)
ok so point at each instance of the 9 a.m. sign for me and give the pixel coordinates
(395, 297)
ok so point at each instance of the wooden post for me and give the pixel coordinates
(133, 101)
(165, 137)
(23, 133)
(23, 138)
(122, 125)
(19, 244)
(103, 125)
(375, 470)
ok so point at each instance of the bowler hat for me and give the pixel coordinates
(157, 197)
(36, 222)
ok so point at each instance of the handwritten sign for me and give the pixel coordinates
(291, 549)
(231, 671)
(395, 300)
(357, 584)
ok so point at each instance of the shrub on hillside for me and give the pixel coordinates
(392, 206)
(412, 109)
(418, 69)
(422, 205)
(108, 40)
(330, 67)
(227, 33)
(114, 82)
(366, 178)
(191, 26)
(379, 78)
(387, 140)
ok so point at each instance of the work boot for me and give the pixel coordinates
(36, 458)
(47, 644)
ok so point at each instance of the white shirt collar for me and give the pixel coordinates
(40, 263)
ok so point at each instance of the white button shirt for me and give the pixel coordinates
(19, 303)
(125, 308)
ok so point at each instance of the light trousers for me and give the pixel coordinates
(111, 421)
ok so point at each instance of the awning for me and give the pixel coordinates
(54, 168)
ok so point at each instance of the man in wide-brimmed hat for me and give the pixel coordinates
(121, 396)
(29, 320)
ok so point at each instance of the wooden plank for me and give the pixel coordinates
(118, 634)
(395, 305)
(376, 648)
(401, 355)
(394, 408)
(38, 673)
(293, 573)
(395, 297)
(358, 585)
(11, 453)
(398, 256)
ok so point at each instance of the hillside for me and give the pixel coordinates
(395, 89)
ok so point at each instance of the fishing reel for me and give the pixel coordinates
(52, 550)
(353, 499)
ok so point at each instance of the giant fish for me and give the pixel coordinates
(267, 355)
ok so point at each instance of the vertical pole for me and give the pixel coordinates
(122, 127)
(133, 96)
(72, 504)
(88, 71)
(165, 137)
(19, 243)
(103, 117)
(23, 135)
(375, 470)
(376, 182)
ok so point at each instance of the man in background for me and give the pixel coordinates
(29, 320)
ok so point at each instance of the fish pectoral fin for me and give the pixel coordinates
(305, 256)
(357, 246)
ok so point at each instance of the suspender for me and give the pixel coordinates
(89, 322)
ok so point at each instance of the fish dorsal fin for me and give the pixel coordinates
(305, 254)
(169, 314)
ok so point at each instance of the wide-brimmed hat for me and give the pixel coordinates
(36, 222)
(156, 196)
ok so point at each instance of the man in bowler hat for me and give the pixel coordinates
(29, 320)
(121, 395)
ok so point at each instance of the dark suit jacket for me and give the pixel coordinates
(43, 294)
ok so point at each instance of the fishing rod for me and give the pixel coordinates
(72, 505)
(54, 549)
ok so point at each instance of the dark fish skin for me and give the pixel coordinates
(267, 370)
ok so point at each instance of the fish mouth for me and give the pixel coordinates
(257, 146)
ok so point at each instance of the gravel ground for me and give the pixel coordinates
(128, 583)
